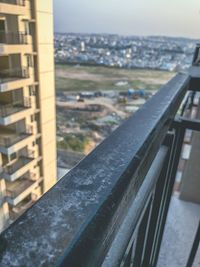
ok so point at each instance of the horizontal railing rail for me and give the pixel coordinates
(13, 38)
(14, 2)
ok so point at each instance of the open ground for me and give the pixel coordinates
(91, 78)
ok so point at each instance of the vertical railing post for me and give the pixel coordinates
(140, 240)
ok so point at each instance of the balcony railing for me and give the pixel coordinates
(110, 210)
(13, 190)
(13, 74)
(13, 138)
(17, 191)
(20, 208)
(8, 141)
(14, 2)
(21, 162)
(17, 106)
(13, 38)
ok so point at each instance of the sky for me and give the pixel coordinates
(129, 17)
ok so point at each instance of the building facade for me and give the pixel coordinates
(27, 105)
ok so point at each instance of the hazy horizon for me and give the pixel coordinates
(127, 35)
(130, 18)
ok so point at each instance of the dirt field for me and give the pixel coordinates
(82, 128)
(83, 78)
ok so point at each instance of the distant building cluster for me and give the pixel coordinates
(162, 53)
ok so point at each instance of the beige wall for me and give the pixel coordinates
(44, 18)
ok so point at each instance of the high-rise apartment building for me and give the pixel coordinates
(27, 105)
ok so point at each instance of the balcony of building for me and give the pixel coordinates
(11, 141)
(11, 172)
(111, 209)
(12, 73)
(17, 191)
(15, 42)
(13, 78)
(13, 38)
(16, 36)
(13, 112)
(14, 7)
(16, 211)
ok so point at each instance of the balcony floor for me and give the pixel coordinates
(182, 223)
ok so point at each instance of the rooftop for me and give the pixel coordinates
(181, 226)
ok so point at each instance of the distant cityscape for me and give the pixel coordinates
(161, 53)
(93, 101)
